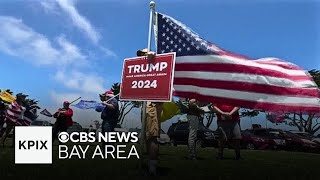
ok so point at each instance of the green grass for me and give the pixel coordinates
(256, 164)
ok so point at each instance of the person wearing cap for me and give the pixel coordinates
(153, 112)
(14, 111)
(64, 119)
(109, 112)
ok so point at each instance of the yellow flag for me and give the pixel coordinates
(169, 109)
(7, 97)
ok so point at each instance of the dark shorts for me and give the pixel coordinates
(229, 130)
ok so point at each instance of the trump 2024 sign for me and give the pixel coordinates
(148, 80)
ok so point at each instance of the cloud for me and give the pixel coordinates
(49, 6)
(79, 21)
(83, 82)
(107, 51)
(17, 39)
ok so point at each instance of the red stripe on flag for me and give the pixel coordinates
(251, 104)
(236, 68)
(249, 87)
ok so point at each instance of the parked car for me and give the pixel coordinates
(251, 141)
(40, 123)
(179, 132)
(298, 143)
(307, 136)
(271, 138)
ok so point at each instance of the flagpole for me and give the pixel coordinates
(75, 100)
(144, 105)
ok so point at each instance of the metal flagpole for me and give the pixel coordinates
(144, 105)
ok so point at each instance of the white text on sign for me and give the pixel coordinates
(142, 68)
(144, 84)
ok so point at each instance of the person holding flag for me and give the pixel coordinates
(109, 112)
(228, 120)
(2, 113)
(64, 119)
(13, 114)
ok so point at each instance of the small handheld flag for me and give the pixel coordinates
(46, 113)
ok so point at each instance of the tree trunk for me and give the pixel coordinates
(121, 121)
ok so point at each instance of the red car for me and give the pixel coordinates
(298, 143)
(267, 138)
(251, 141)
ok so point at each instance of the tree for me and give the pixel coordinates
(304, 122)
(307, 122)
(125, 106)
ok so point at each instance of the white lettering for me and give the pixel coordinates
(72, 137)
(74, 152)
(83, 137)
(133, 148)
(136, 69)
(118, 151)
(123, 137)
(163, 65)
(112, 137)
(63, 149)
(160, 66)
(97, 152)
(154, 67)
(111, 152)
(102, 137)
(130, 68)
(146, 67)
(92, 137)
(84, 151)
(134, 136)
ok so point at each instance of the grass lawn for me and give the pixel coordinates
(256, 164)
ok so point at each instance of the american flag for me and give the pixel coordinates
(208, 73)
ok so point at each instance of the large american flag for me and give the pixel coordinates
(211, 74)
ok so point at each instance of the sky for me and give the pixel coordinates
(57, 50)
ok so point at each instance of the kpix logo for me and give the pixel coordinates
(33, 145)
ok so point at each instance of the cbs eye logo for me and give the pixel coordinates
(63, 137)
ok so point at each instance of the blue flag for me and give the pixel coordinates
(83, 104)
